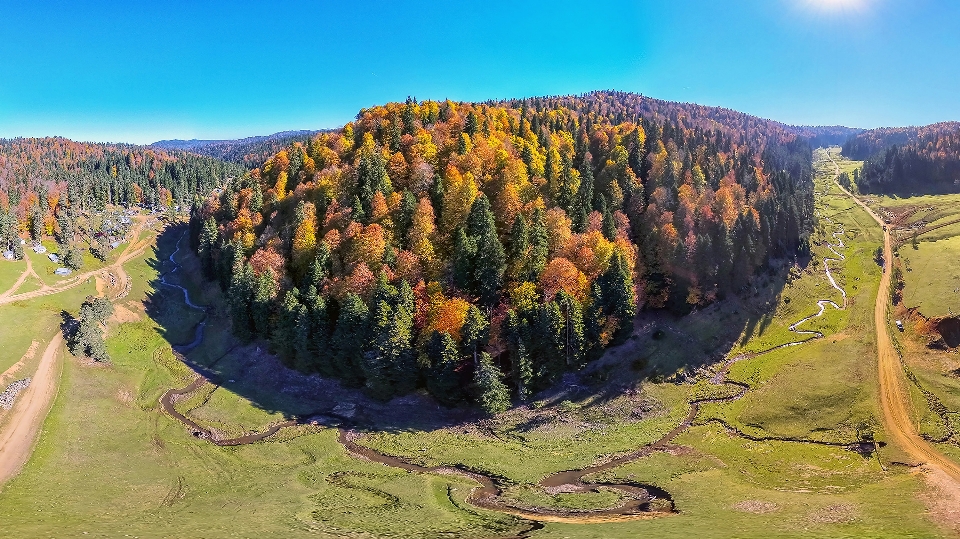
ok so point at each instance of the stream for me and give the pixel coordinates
(638, 500)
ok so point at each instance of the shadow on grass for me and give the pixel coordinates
(661, 347)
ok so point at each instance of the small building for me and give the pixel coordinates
(114, 245)
(39, 249)
(8, 255)
(125, 220)
(54, 258)
(23, 241)
(63, 271)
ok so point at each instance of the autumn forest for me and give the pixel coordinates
(482, 250)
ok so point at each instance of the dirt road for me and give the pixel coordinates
(23, 277)
(19, 433)
(894, 394)
(133, 250)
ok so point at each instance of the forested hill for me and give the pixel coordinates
(869, 143)
(46, 181)
(250, 152)
(825, 136)
(908, 160)
(481, 250)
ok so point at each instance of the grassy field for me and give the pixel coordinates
(36, 319)
(151, 478)
(10, 271)
(932, 277)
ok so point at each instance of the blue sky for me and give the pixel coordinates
(142, 71)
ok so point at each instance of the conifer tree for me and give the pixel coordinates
(608, 227)
(313, 335)
(443, 381)
(464, 255)
(285, 329)
(573, 331)
(493, 394)
(519, 245)
(319, 268)
(491, 263)
(539, 247)
(474, 333)
(208, 241)
(617, 286)
(240, 295)
(350, 338)
(261, 307)
(566, 195)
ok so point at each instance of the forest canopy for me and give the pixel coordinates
(480, 250)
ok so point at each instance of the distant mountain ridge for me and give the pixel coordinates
(250, 152)
(825, 135)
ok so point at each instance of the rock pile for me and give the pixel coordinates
(10, 394)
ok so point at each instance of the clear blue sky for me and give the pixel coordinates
(141, 71)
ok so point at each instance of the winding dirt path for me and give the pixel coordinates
(23, 424)
(894, 393)
(31, 351)
(134, 249)
(23, 277)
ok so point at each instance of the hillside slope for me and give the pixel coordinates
(250, 152)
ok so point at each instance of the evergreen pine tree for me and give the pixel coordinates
(491, 263)
(261, 307)
(617, 286)
(519, 244)
(208, 240)
(464, 255)
(539, 247)
(350, 338)
(443, 381)
(474, 333)
(285, 328)
(239, 295)
(493, 394)
(608, 227)
(573, 337)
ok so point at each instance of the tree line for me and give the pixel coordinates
(909, 160)
(46, 184)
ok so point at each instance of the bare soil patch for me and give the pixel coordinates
(124, 396)
(32, 351)
(20, 432)
(941, 499)
(122, 315)
(757, 507)
(839, 513)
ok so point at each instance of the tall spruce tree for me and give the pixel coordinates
(443, 381)
(285, 328)
(539, 247)
(492, 394)
(350, 338)
(240, 295)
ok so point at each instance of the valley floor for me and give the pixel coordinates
(781, 444)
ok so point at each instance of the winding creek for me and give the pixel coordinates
(638, 501)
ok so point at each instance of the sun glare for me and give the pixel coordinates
(837, 5)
